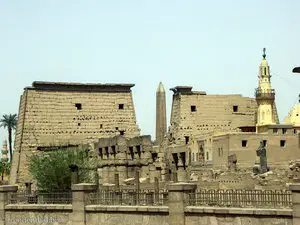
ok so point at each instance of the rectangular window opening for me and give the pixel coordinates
(121, 106)
(113, 148)
(187, 139)
(100, 153)
(282, 143)
(131, 152)
(154, 156)
(275, 131)
(283, 130)
(78, 106)
(244, 143)
(193, 108)
(101, 126)
(138, 149)
(235, 108)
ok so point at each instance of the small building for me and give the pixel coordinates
(281, 143)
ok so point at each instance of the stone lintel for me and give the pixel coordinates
(84, 187)
(39, 207)
(239, 211)
(182, 186)
(119, 208)
(295, 187)
(83, 87)
(8, 188)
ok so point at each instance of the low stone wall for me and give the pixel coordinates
(127, 215)
(19, 214)
(178, 211)
(237, 216)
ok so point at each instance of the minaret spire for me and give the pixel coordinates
(161, 119)
(264, 53)
(265, 97)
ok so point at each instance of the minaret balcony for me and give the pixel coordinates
(264, 94)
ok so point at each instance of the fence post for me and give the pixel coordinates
(295, 188)
(80, 196)
(117, 182)
(137, 187)
(178, 199)
(4, 190)
(156, 191)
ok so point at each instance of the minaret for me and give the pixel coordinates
(4, 152)
(4, 159)
(161, 119)
(265, 97)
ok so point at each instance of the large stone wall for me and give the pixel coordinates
(127, 215)
(38, 214)
(54, 114)
(196, 113)
(147, 215)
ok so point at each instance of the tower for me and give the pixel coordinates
(4, 151)
(265, 97)
(4, 160)
(161, 119)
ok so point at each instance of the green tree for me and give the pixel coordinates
(51, 170)
(9, 121)
(4, 168)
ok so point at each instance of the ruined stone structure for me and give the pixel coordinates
(207, 132)
(161, 117)
(195, 113)
(126, 156)
(62, 114)
(212, 133)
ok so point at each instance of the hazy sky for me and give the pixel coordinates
(214, 46)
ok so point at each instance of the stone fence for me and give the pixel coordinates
(89, 208)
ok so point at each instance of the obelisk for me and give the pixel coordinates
(161, 119)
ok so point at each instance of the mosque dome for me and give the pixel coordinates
(294, 116)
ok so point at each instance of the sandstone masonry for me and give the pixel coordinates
(62, 114)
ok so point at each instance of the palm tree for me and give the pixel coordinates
(10, 122)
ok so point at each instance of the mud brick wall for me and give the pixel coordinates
(54, 114)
